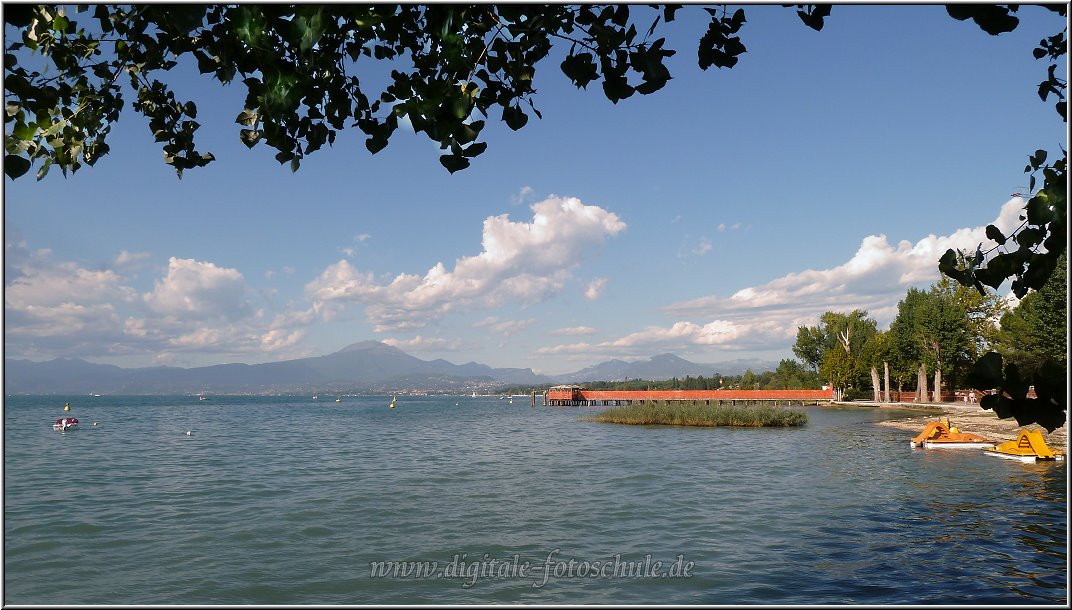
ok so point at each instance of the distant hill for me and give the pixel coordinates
(368, 365)
(663, 366)
(364, 366)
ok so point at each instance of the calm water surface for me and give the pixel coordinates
(291, 501)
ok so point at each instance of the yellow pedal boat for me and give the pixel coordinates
(1030, 446)
(942, 435)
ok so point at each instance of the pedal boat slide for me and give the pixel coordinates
(940, 434)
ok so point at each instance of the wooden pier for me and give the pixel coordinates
(577, 396)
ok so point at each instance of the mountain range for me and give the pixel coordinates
(364, 366)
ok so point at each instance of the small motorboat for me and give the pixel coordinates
(65, 423)
(942, 435)
(1030, 446)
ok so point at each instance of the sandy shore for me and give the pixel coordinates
(969, 418)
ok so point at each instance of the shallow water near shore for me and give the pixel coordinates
(274, 500)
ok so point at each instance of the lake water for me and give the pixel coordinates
(293, 501)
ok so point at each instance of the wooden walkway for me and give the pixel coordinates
(576, 396)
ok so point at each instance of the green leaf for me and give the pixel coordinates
(1029, 237)
(814, 18)
(44, 168)
(580, 68)
(453, 163)
(475, 149)
(247, 117)
(995, 234)
(1038, 210)
(948, 266)
(312, 29)
(992, 19)
(514, 117)
(250, 137)
(987, 373)
(15, 166)
(616, 88)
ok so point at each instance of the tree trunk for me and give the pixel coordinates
(937, 385)
(886, 366)
(921, 383)
(876, 385)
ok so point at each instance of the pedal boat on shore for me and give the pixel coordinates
(1030, 446)
(942, 435)
(65, 423)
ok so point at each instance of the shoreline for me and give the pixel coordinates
(968, 417)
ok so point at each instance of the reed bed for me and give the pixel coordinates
(690, 413)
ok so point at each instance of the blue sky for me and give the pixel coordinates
(826, 171)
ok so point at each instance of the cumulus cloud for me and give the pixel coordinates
(197, 289)
(50, 303)
(875, 278)
(59, 308)
(521, 262)
(766, 316)
(595, 288)
(574, 331)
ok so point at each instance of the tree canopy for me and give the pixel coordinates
(452, 67)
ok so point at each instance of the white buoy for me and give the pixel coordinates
(189, 433)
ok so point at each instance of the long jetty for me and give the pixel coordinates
(577, 396)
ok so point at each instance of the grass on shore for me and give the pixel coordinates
(689, 413)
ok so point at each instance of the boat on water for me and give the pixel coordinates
(1030, 446)
(943, 435)
(65, 423)
(202, 396)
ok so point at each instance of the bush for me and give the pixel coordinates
(692, 413)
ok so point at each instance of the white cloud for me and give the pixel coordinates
(766, 317)
(504, 327)
(362, 237)
(196, 289)
(574, 331)
(422, 344)
(279, 338)
(595, 288)
(570, 348)
(521, 262)
(703, 248)
(130, 258)
(58, 308)
(51, 303)
(522, 195)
